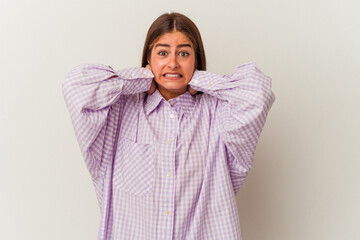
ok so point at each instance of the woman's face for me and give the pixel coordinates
(172, 62)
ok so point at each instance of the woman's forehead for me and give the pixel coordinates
(173, 39)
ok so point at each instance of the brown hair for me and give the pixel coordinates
(170, 22)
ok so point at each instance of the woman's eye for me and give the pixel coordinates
(162, 53)
(183, 54)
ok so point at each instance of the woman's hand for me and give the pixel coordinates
(190, 89)
(153, 84)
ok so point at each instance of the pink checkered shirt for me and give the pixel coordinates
(167, 169)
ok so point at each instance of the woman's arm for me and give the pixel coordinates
(244, 99)
(90, 91)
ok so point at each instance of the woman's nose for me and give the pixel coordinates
(173, 62)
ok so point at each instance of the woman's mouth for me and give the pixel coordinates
(171, 75)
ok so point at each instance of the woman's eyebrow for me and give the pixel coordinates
(167, 45)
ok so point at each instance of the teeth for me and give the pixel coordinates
(172, 75)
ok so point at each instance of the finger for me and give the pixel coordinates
(191, 90)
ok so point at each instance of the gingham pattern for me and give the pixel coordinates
(167, 169)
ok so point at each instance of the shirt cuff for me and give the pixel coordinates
(136, 80)
(135, 73)
(204, 81)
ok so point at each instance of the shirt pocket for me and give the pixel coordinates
(134, 168)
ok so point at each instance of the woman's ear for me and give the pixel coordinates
(148, 67)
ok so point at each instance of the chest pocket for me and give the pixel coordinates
(134, 167)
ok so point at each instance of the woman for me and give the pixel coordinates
(168, 145)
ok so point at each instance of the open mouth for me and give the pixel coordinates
(172, 75)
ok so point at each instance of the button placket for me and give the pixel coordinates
(169, 167)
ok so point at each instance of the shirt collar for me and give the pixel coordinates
(153, 101)
(186, 102)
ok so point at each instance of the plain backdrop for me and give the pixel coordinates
(305, 182)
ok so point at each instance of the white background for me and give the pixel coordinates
(305, 183)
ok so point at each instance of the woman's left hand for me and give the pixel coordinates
(191, 90)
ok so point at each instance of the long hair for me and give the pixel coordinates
(170, 22)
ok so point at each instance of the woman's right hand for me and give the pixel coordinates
(153, 83)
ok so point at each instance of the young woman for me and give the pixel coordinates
(168, 144)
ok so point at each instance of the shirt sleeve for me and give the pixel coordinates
(243, 101)
(90, 90)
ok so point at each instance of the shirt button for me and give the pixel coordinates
(196, 81)
(130, 76)
(209, 85)
(167, 213)
(172, 116)
(169, 141)
(171, 103)
(168, 175)
(144, 74)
